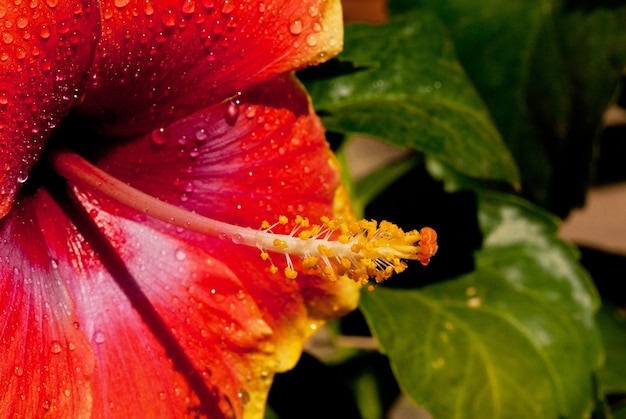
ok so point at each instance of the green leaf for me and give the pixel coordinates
(405, 87)
(612, 376)
(547, 70)
(514, 338)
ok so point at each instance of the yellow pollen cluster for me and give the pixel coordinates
(360, 250)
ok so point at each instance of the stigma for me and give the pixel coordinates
(331, 248)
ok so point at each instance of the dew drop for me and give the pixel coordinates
(21, 22)
(228, 7)
(160, 136)
(98, 337)
(232, 113)
(18, 370)
(237, 239)
(44, 31)
(223, 236)
(311, 40)
(55, 347)
(169, 17)
(250, 112)
(63, 26)
(180, 255)
(295, 27)
(52, 3)
(188, 7)
(201, 135)
(121, 3)
(244, 396)
(7, 37)
(22, 177)
(314, 11)
(208, 5)
(148, 9)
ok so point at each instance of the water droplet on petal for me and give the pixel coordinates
(98, 337)
(188, 7)
(148, 9)
(311, 40)
(18, 370)
(228, 7)
(21, 22)
(22, 177)
(160, 136)
(232, 113)
(44, 31)
(201, 135)
(55, 347)
(169, 17)
(296, 27)
(244, 396)
(52, 3)
(121, 3)
(180, 255)
(208, 5)
(237, 239)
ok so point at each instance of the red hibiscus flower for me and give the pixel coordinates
(144, 144)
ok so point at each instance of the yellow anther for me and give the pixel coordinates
(301, 221)
(305, 235)
(360, 250)
(328, 273)
(273, 269)
(326, 251)
(281, 244)
(265, 225)
(343, 239)
(310, 262)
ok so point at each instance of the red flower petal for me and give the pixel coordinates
(272, 159)
(46, 48)
(214, 327)
(46, 364)
(158, 60)
(174, 318)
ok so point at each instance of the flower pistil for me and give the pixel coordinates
(335, 247)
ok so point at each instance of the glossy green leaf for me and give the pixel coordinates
(612, 376)
(547, 70)
(514, 338)
(404, 86)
